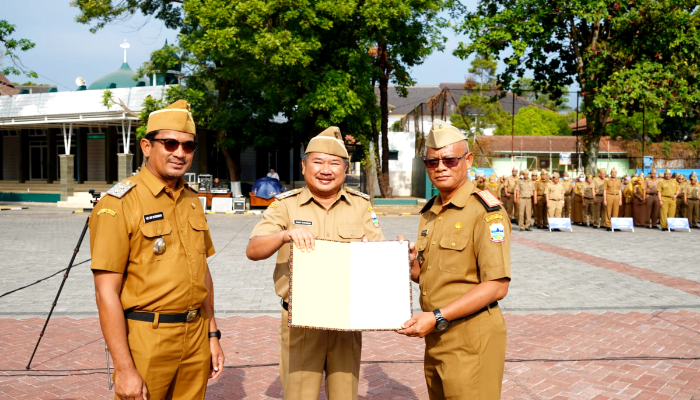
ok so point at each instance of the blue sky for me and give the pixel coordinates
(66, 49)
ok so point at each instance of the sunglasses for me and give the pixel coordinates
(450, 162)
(172, 145)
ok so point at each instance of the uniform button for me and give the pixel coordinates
(432, 243)
(328, 234)
(158, 231)
(430, 266)
(182, 229)
(453, 245)
(189, 254)
(439, 218)
(193, 206)
(425, 293)
(201, 225)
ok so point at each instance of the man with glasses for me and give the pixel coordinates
(323, 209)
(462, 262)
(149, 242)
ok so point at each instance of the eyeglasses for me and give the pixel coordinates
(449, 162)
(172, 145)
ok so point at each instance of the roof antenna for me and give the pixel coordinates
(125, 46)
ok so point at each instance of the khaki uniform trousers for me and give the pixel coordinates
(587, 210)
(668, 210)
(174, 358)
(612, 210)
(653, 208)
(693, 212)
(554, 209)
(306, 353)
(566, 212)
(541, 215)
(598, 211)
(524, 212)
(510, 205)
(466, 361)
(680, 207)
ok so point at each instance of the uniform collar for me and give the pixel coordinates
(306, 197)
(154, 184)
(459, 200)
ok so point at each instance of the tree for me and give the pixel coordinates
(483, 66)
(524, 87)
(485, 112)
(534, 121)
(623, 55)
(11, 48)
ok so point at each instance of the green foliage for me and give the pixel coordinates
(622, 54)
(104, 12)
(636, 126)
(534, 121)
(107, 98)
(11, 48)
(30, 83)
(525, 88)
(481, 112)
(483, 66)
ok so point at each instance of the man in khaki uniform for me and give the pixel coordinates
(599, 204)
(541, 202)
(652, 193)
(568, 191)
(692, 200)
(462, 263)
(524, 193)
(554, 196)
(510, 186)
(321, 210)
(589, 200)
(149, 242)
(680, 203)
(612, 197)
(535, 179)
(668, 191)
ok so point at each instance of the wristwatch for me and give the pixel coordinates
(441, 323)
(216, 334)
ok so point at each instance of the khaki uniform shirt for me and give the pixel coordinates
(511, 184)
(124, 230)
(567, 187)
(668, 188)
(578, 188)
(612, 186)
(628, 193)
(555, 191)
(541, 187)
(525, 188)
(588, 189)
(693, 191)
(598, 185)
(347, 220)
(650, 185)
(462, 245)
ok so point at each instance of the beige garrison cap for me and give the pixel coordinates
(653, 171)
(601, 170)
(443, 134)
(668, 171)
(555, 175)
(175, 117)
(330, 141)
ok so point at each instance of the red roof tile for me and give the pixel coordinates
(544, 144)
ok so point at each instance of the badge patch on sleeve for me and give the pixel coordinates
(272, 206)
(491, 217)
(152, 217)
(375, 221)
(107, 211)
(497, 233)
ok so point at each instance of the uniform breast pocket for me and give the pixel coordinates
(151, 232)
(199, 229)
(453, 257)
(351, 232)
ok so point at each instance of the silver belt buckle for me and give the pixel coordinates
(191, 315)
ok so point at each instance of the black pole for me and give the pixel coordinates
(65, 277)
(644, 137)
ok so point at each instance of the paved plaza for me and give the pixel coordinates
(590, 314)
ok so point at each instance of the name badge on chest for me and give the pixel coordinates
(300, 222)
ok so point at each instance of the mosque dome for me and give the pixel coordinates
(121, 78)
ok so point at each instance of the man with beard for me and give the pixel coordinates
(149, 242)
(321, 210)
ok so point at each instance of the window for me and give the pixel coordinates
(393, 155)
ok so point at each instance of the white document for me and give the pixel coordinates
(351, 286)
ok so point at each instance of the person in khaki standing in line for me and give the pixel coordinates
(461, 261)
(599, 204)
(493, 185)
(510, 186)
(320, 210)
(668, 191)
(680, 204)
(541, 202)
(612, 197)
(568, 191)
(524, 193)
(589, 201)
(554, 196)
(577, 201)
(652, 200)
(149, 242)
(691, 197)
(627, 198)
(534, 179)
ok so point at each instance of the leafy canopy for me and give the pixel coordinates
(11, 47)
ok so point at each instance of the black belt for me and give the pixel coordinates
(164, 318)
(492, 305)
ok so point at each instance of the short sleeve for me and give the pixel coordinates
(371, 224)
(492, 245)
(274, 220)
(208, 244)
(110, 235)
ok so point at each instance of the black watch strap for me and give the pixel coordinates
(216, 334)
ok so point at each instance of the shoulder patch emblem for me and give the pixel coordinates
(488, 200)
(288, 193)
(357, 193)
(273, 206)
(498, 234)
(121, 188)
(107, 211)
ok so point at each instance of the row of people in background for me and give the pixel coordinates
(593, 201)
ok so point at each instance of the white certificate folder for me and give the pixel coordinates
(350, 286)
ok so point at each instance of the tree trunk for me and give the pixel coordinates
(234, 170)
(596, 122)
(383, 166)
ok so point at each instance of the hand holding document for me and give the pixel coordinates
(350, 286)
